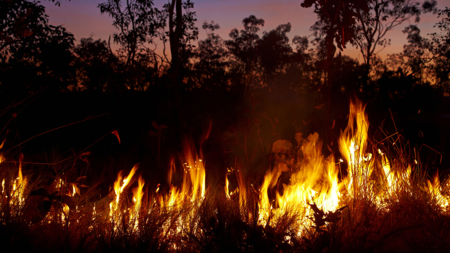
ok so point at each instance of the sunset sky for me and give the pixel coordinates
(83, 18)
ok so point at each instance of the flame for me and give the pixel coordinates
(75, 189)
(119, 186)
(315, 181)
(190, 194)
(227, 191)
(228, 194)
(434, 188)
(137, 199)
(196, 170)
(316, 178)
(65, 212)
(19, 185)
(193, 185)
(242, 189)
(352, 145)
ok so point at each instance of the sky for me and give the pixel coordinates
(83, 19)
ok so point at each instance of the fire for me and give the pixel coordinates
(119, 185)
(227, 183)
(137, 199)
(434, 188)
(75, 189)
(13, 194)
(316, 186)
(18, 189)
(352, 145)
(193, 185)
(229, 195)
(65, 213)
(190, 194)
(314, 181)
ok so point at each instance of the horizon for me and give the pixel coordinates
(77, 15)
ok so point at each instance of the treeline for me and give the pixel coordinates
(35, 55)
(255, 86)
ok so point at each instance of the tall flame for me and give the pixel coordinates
(119, 186)
(138, 193)
(352, 145)
(315, 181)
(193, 185)
(316, 178)
(314, 184)
(19, 184)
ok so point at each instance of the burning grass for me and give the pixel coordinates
(377, 197)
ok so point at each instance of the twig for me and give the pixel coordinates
(68, 158)
(440, 161)
(51, 130)
(262, 147)
(18, 103)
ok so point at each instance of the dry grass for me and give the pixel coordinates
(408, 219)
(408, 223)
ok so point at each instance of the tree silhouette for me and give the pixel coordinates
(429, 58)
(243, 47)
(97, 67)
(300, 68)
(274, 50)
(382, 17)
(57, 2)
(182, 32)
(211, 62)
(138, 23)
(336, 21)
(30, 45)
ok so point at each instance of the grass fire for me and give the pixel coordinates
(224, 126)
(377, 197)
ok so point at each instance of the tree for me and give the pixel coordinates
(211, 57)
(440, 48)
(336, 21)
(337, 24)
(429, 58)
(182, 32)
(138, 23)
(30, 44)
(299, 69)
(382, 17)
(97, 67)
(57, 3)
(274, 50)
(243, 48)
(175, 34)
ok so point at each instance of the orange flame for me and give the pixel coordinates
(119, 186)
(19, 185)
(315, 181)
(137, 199)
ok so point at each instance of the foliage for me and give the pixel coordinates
(29, 42)
(247, 60)
(382, 17)
(243, 48)
(428, 58)
(138, 24)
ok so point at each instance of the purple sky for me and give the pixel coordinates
(83, 18)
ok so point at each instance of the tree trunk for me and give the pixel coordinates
(331, 49)
(174, 38)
